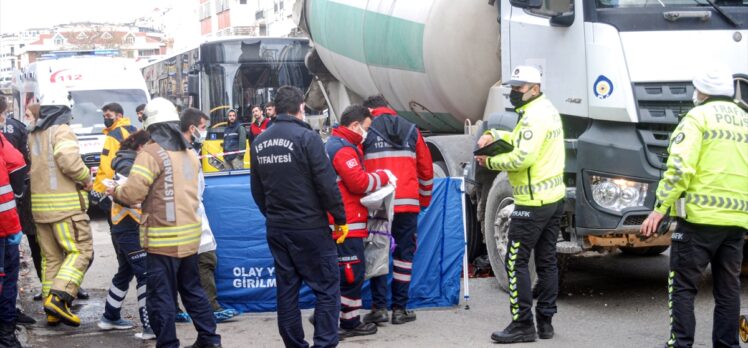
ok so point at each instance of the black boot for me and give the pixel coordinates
(200, 345)
(360, 330)
(545, 329)
(376, 316)
(8, 337)
(83, 294)
(402, 316)
(516, 332)
(23, 319)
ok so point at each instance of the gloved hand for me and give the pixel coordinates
(343, 230)
(14, 239)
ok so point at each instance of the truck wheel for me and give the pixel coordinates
(440, 169)
(499, 207)
(649, 251)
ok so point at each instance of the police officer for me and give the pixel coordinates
(535, 169)
(164, 178)
(706, 186)
(294, 186)
(354, 182)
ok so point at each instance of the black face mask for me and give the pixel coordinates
(515, 97)
(108, 122)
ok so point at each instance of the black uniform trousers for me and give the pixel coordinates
(131, 263)
(310, 256)
(352, 272)
(404, 231)
(693, 247)
(166, 276)
(533, 228)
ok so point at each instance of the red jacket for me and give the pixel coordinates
(396, 144)
(10, 161)
(257, 129)
(353, 179)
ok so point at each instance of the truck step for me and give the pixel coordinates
(566, 247)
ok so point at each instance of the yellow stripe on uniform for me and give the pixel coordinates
(142, 171)
(64, 145)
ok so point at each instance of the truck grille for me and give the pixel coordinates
(660, 106)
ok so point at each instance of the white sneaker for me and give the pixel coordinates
(121, 324)
(147, 334)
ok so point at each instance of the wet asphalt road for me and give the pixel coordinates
(609, 300)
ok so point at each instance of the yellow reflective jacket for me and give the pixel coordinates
(166, 182)
(536, 165)
(118, 132)
(57, 171)
(708, 165)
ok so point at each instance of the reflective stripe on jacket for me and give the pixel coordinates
(57, 171)
(353, 180)
(708, 165)
(166, 182)
(535, 166)
(396, 144)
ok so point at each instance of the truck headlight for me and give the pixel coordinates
(618, 194)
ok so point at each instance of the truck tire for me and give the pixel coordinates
(499, 206)
(649, 251)
(440, 169)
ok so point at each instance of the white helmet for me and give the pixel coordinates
(159, 110)
(58, 97)
(716, 81)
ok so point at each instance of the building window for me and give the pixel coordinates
(106, 36)
(59, 40)
(242, 2)
(204, 10)
(130, 39)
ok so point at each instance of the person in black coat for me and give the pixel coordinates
(294, 185)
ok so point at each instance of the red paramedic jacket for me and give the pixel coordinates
(396, 144)
(10, 161)
(256, 129)
(353, 180)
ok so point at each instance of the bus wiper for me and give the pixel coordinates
(723, 13)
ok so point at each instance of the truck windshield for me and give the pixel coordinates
(87, 115)
(666, 3)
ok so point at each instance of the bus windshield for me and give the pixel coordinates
(87, 115)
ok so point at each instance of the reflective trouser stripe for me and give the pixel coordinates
(512, 272)
(402, 264)
(349, 302)
(717, 202)
(67, 270)
(353, 227)
(401, 277)
(541, 186)
(349, 315)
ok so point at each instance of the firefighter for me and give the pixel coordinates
(354, 182)
(118, 128)
(59, 179)
(164, 178)
(294, 187)
(395, 144)
(535, 168)
(13, 172)
(706, 186)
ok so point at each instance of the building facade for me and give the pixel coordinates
(246, 17)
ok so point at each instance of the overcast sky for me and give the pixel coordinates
(17, 15)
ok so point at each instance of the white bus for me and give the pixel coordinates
(92, 83)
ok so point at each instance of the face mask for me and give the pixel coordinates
(108, 122)
(29, 124)
(515, 97)
(203, 135)
(695, 98)
(363, 133)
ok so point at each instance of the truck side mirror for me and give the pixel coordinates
(565, 19)
(527, 4)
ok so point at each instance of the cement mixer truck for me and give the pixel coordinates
(619, 72)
